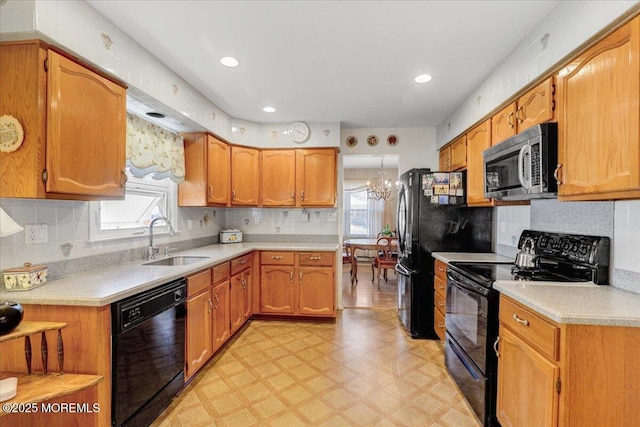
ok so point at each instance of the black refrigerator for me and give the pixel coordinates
(432, 217)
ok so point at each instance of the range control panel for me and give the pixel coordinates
(592, 250)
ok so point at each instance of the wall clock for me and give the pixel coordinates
(299, 132)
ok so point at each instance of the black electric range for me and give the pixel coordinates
(472, 306)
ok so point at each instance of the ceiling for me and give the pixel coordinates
(389, 161)
(352, 62)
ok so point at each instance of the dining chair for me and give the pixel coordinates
(347, 258)
(383, 259)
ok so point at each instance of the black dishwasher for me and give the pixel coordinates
(148, 333)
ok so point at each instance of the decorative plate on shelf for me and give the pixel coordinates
(372, 140)
(352, 141)
(11, 134)
(392, 140)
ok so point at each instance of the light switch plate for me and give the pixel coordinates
(36, 234)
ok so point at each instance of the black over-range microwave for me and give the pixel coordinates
(522, 167)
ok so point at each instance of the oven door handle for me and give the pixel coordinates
(474, 289)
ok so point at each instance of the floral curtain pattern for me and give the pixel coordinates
(154, 150)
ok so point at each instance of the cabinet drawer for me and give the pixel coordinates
(441, 270)
(438, 323)
(440, 302)
(440, 286)
(276, 258)
(531, 327)
(198, 282)
(241, 263)
(317, 258)
(221, 272)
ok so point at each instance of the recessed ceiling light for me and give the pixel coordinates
(156, 115)
(229, 61)
(269, 110)
(423, 78)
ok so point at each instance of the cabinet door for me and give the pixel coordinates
(459, 153)
(235, 302)
(444, 159)
(85, 131)
(193, 190)
(245, 174)
(278, 178)
(218, 164)
(277, 289)
(503, 124)
(536, 106)
(317, 296)
(199, 332)
(478, 140)
(221, 319)
(599, 119)
(526, 385)
(316, 177)
(246, 295)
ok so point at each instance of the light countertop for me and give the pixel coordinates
(470, 257)
(583, 303)
(103, 286)
(572, 303)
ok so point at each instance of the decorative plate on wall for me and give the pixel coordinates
(11, 134)
(392, 140)
(352, 141)
(372, 140)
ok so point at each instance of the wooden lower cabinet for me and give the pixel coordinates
(239, 299)
(221, 317)
(297, 284)
(440, 298)
(199, 345)
(526, 392)
(556, 374)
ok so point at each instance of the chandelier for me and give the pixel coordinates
(380, 188)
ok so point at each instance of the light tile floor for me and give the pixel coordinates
(362, 370)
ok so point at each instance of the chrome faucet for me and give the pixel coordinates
(152, 250)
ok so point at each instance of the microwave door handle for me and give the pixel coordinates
(521, 176)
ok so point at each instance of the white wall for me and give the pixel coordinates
(415, 148)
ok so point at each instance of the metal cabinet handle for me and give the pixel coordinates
(440, 285)
(302, 195)
(243, 262)
(440, 269)
(293, 196)
(440, 303)
(440, 325)
(210, 305)
(233, 195)
(495, 346)
(210, 190)
(556, 174)
(216, 298)
(518, 111)
(525, 322)
(511, 124)
(277, 257)
(123, 177)
(300, 277)
(316, 258)
(291, 276)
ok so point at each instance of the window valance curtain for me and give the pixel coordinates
(154, 150)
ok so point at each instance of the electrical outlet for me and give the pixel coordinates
(36, 234)
(256, 220)
(304, 217)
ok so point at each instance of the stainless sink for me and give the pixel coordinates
(177, 260)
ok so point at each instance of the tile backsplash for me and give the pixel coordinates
(312, 221)
(620, 221)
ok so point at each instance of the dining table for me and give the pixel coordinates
(368, 244)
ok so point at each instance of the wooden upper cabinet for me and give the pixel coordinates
(245, 176)
(278, 177)
(218, 164)
(599, 115)
(459, 153)
(207, 162)
(444, 158)
(478, 140)
(74, 121)
(316, 177)
(536, 106)
(503, 124)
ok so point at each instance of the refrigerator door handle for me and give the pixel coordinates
(401, 269)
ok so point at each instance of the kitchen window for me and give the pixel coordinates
(362, 216)
(145, 199)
